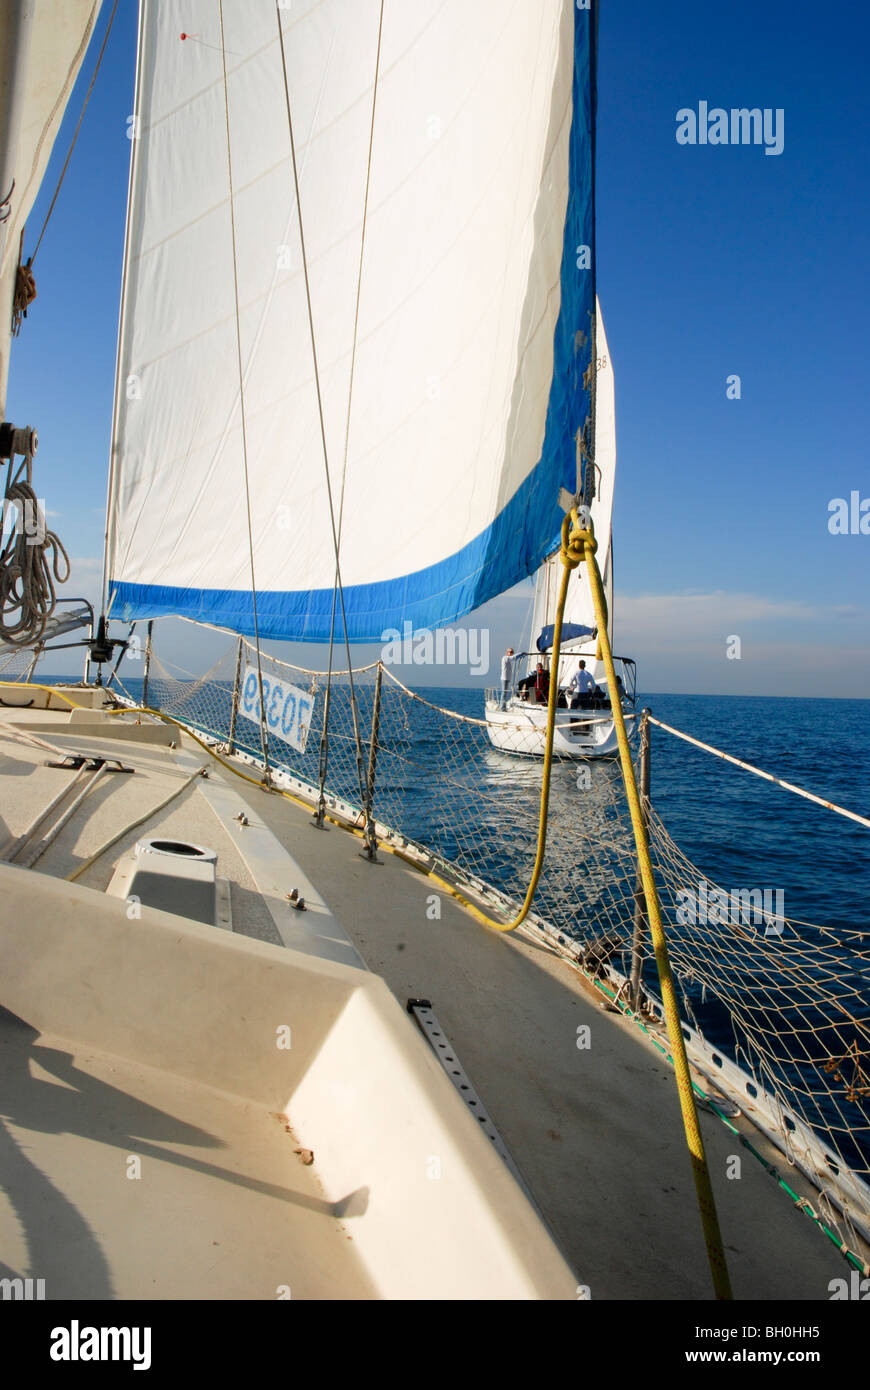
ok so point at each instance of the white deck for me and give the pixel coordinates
(222, 1207)
(135, 1039)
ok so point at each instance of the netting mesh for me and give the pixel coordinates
(14, 662)
(794, 996)
(787, 1000)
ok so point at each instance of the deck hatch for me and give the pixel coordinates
(174, 876)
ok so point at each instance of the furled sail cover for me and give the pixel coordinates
(42, 68)
(571, 632)
(474, 310)
(579, 607)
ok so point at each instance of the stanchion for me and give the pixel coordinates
(640, 923)
(234, 712)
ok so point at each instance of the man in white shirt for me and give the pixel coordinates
(507, 673)
(581, 688)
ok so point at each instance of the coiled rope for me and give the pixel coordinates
(25, 292)
(32, 561)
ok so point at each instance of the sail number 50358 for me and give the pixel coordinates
(288, 710)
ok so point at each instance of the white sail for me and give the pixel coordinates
(474, 306)
(42, 46)
(579, 607)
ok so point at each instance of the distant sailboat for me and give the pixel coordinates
(516, 721)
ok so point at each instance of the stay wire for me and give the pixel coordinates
(338, 589)
(264, 737)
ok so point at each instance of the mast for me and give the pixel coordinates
(543, 611)
(579, 607)
(590, 483)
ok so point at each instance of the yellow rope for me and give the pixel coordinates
(548, 764)
(579, 543)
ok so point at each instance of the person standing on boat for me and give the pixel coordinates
(581, 688)
(507, 672)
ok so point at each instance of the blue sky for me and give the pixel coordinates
(713, 260)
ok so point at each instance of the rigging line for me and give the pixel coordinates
(337, 580)
(362, 246)
(593, 360)
(76, 133)
(768, 776)
(578, 544)
(221, 435)
(264, 737)
(337, 588)
(111, 529)
(587, 436)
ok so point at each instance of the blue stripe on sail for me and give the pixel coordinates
(519, 538)
(485, 567)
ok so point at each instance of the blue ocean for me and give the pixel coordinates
(741, 830)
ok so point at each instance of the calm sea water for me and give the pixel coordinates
(741, 830)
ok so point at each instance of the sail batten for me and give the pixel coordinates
(469, 350)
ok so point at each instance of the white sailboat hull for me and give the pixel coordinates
(522, 728)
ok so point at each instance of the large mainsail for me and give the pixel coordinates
(451, 339)
(579, 607)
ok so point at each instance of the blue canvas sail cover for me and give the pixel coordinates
(448, 229)
(570, 632)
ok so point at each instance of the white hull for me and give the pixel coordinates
(522, 728)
